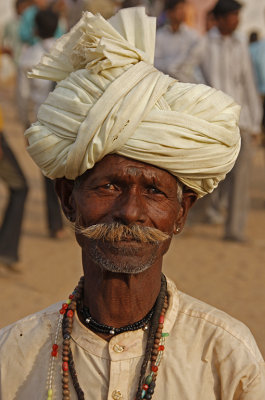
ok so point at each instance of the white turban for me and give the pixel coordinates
(110, 99)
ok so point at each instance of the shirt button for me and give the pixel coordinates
(116, 395)
(118, 349)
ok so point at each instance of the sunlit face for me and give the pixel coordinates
(122, 190)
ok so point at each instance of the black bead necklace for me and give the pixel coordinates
(102, 328)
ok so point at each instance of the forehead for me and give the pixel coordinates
(115, 166)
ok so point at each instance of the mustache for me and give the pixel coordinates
(115, 232)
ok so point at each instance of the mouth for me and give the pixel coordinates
(126, 246)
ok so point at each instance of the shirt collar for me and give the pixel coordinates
(133, 342)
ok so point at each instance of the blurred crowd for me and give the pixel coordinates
(222, 57)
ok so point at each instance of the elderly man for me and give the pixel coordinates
(131, 150)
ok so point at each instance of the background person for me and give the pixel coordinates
(46, 22)
(14, 179)
(176, 44)
(226, 65)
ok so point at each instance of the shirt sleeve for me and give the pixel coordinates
(256, 388)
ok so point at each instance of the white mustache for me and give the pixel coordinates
(115, 232)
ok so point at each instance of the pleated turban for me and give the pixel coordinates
(110, 99)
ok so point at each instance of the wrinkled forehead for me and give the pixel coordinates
(120, 167)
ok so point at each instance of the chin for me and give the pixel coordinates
(121, 259)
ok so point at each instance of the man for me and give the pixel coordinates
(14, 179)
(176, 44)
(226, 65)
(46, 22)
(131, 149)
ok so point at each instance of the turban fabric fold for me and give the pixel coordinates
(110, 99)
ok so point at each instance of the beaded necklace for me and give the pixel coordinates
(102, 328)
(154, 348)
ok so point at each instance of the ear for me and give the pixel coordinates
(64, 189)
(189, 197)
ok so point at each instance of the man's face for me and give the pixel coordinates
(228, 23)
(177, 14)
(121, 190)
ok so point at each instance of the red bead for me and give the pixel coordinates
(145, 386)
(65, 306)
(154, 368)
(161, 319)
(71, 296)
(161, 348)
(70, 314)
(55, 347)
(62, 311)
(65, 366)
(54, 353)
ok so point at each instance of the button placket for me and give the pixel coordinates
(118, 348)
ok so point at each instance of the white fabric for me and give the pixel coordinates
(176, 52)
(38, 88)
(110, 99)
(208, 356)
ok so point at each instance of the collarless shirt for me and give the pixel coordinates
(208, 356)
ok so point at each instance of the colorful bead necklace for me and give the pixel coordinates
(65, 323)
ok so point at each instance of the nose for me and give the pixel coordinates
(130, 208)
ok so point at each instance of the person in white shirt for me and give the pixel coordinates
(46, 22)
(176, 44)
(226, 65)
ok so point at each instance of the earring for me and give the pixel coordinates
(178, 229)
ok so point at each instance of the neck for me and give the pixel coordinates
(175, 26)
(224, 31)
(117, 299)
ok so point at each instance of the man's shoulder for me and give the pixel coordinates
(215, 320)
(29, 327)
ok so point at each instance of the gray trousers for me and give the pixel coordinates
(12, 175)
(233, 192)
(238, 191)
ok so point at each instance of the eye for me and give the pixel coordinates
(154, 190)
(108, 186)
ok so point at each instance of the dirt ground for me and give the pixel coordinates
(229, 276)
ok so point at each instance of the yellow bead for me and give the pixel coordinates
(68, 301)
(50, 393)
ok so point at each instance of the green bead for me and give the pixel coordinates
(148, 379)
(68, 301)
(143, 394)
(50, 393)
(165, 334)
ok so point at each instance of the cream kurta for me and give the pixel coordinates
(208, 356)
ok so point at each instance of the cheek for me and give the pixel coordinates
(164, 218)
(91, 211)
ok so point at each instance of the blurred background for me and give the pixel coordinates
(40, 262)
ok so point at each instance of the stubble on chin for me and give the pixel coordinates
(125, 261)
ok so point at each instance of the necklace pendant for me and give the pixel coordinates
(88, 320)
(112, 331)
(145, 328)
